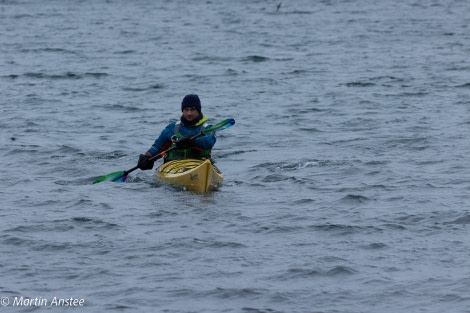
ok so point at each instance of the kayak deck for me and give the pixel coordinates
(194, 175)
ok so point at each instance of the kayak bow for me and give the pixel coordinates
(193, 175)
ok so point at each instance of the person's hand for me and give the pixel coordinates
(184, 142)
(144, 162)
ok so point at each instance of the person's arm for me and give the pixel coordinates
(162, 140)
(207, 141)
(144, 162)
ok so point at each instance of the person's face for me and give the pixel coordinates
(190, 114)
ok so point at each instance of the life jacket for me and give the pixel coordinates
(193, 152)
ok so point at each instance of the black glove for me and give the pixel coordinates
(144, 162)
(184, 142)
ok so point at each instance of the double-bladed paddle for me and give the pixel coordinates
(120, 176)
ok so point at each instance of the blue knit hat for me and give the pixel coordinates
(191, 101)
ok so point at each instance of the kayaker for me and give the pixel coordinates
(178, 134)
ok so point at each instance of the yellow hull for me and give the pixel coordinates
(195, 175)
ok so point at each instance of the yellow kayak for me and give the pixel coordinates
(195, 175)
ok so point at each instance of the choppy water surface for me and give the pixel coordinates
(346, 176)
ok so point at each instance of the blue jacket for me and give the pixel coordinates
(164, 142)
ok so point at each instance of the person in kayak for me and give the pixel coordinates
(178, 134)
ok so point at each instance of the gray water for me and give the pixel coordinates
(346, 175)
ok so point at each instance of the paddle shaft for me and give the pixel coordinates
(115, 176)
(162, 154)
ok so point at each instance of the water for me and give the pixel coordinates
(346, 175)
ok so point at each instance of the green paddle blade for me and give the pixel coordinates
(115, 176)
(219, 126)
